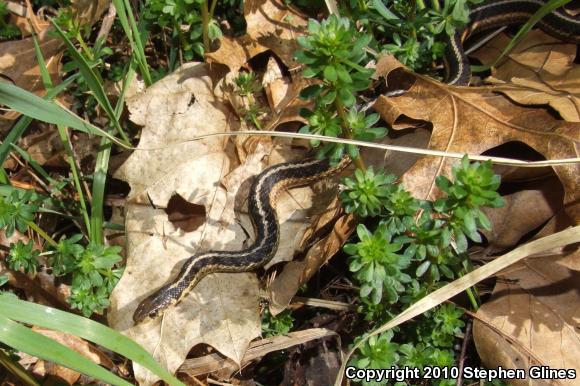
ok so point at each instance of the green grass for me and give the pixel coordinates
(13, 334)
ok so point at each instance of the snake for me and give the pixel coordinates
(267, 186)
(491, 15)
(264, 193)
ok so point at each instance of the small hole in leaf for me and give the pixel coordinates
(185, 215)
(192, 100)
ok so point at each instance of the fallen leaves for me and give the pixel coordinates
(79, 345)
(474, 120)
(271, 25)
(180, 106)
(535, 306)
(222, 310)
(531, 319)
(18, 64)
(540, 71)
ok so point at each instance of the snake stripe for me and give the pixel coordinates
(496, 13)
(261, 207)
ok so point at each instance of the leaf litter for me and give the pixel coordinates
(222, 310)
(476, 120)
(213, 173)
(540, 71)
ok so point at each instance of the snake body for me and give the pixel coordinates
(268, 184)
(261, 207)
(497, 13)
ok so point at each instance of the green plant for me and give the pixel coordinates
(276, 325)
(15, 313)
(246, 85)
(16, 211)
(333, 53)
(448, 325)
(378, 352)
(382, 351)
(414, 31)
(191, 23)
(414, 248)
(93, 272)
(7, 31)
(377, 266)
(23, 256)
(366, 194)
(426, 238)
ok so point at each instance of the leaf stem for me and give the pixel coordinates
(346, 131)
(205, 26)
(42, 233)
(17, 369)
(212, 9)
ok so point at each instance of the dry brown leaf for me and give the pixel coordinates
(276, 26)
(539, 70)
(523, 212)
(23, 16)
(473, 120)
(82, 347)
(536, 53)
(222, 310)
(89, 11)
(18, 63)
(562, 93)
(215, 362)
(536, 307)
(235, 52)
(275, 84)
(296, 273)
(271, 25)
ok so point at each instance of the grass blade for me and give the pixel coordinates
(540, 13)
(36, 107)
(20, 126)
(46, 81)
(129, 25)
(17, 370)
(99, 181)
(85, 328)
(384, 11)
(93, 80)
(24, 339)
(64, 137)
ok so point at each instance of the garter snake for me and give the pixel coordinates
(496, 13)
(269, 183)
(261, 207)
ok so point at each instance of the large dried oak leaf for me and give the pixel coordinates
(189, 197)
(532, 318)
(474, 120)
(222, 311)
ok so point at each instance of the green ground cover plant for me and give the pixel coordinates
(402, 249)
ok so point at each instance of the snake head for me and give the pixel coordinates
(153, 306)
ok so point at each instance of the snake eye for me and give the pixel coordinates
(152, 314)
